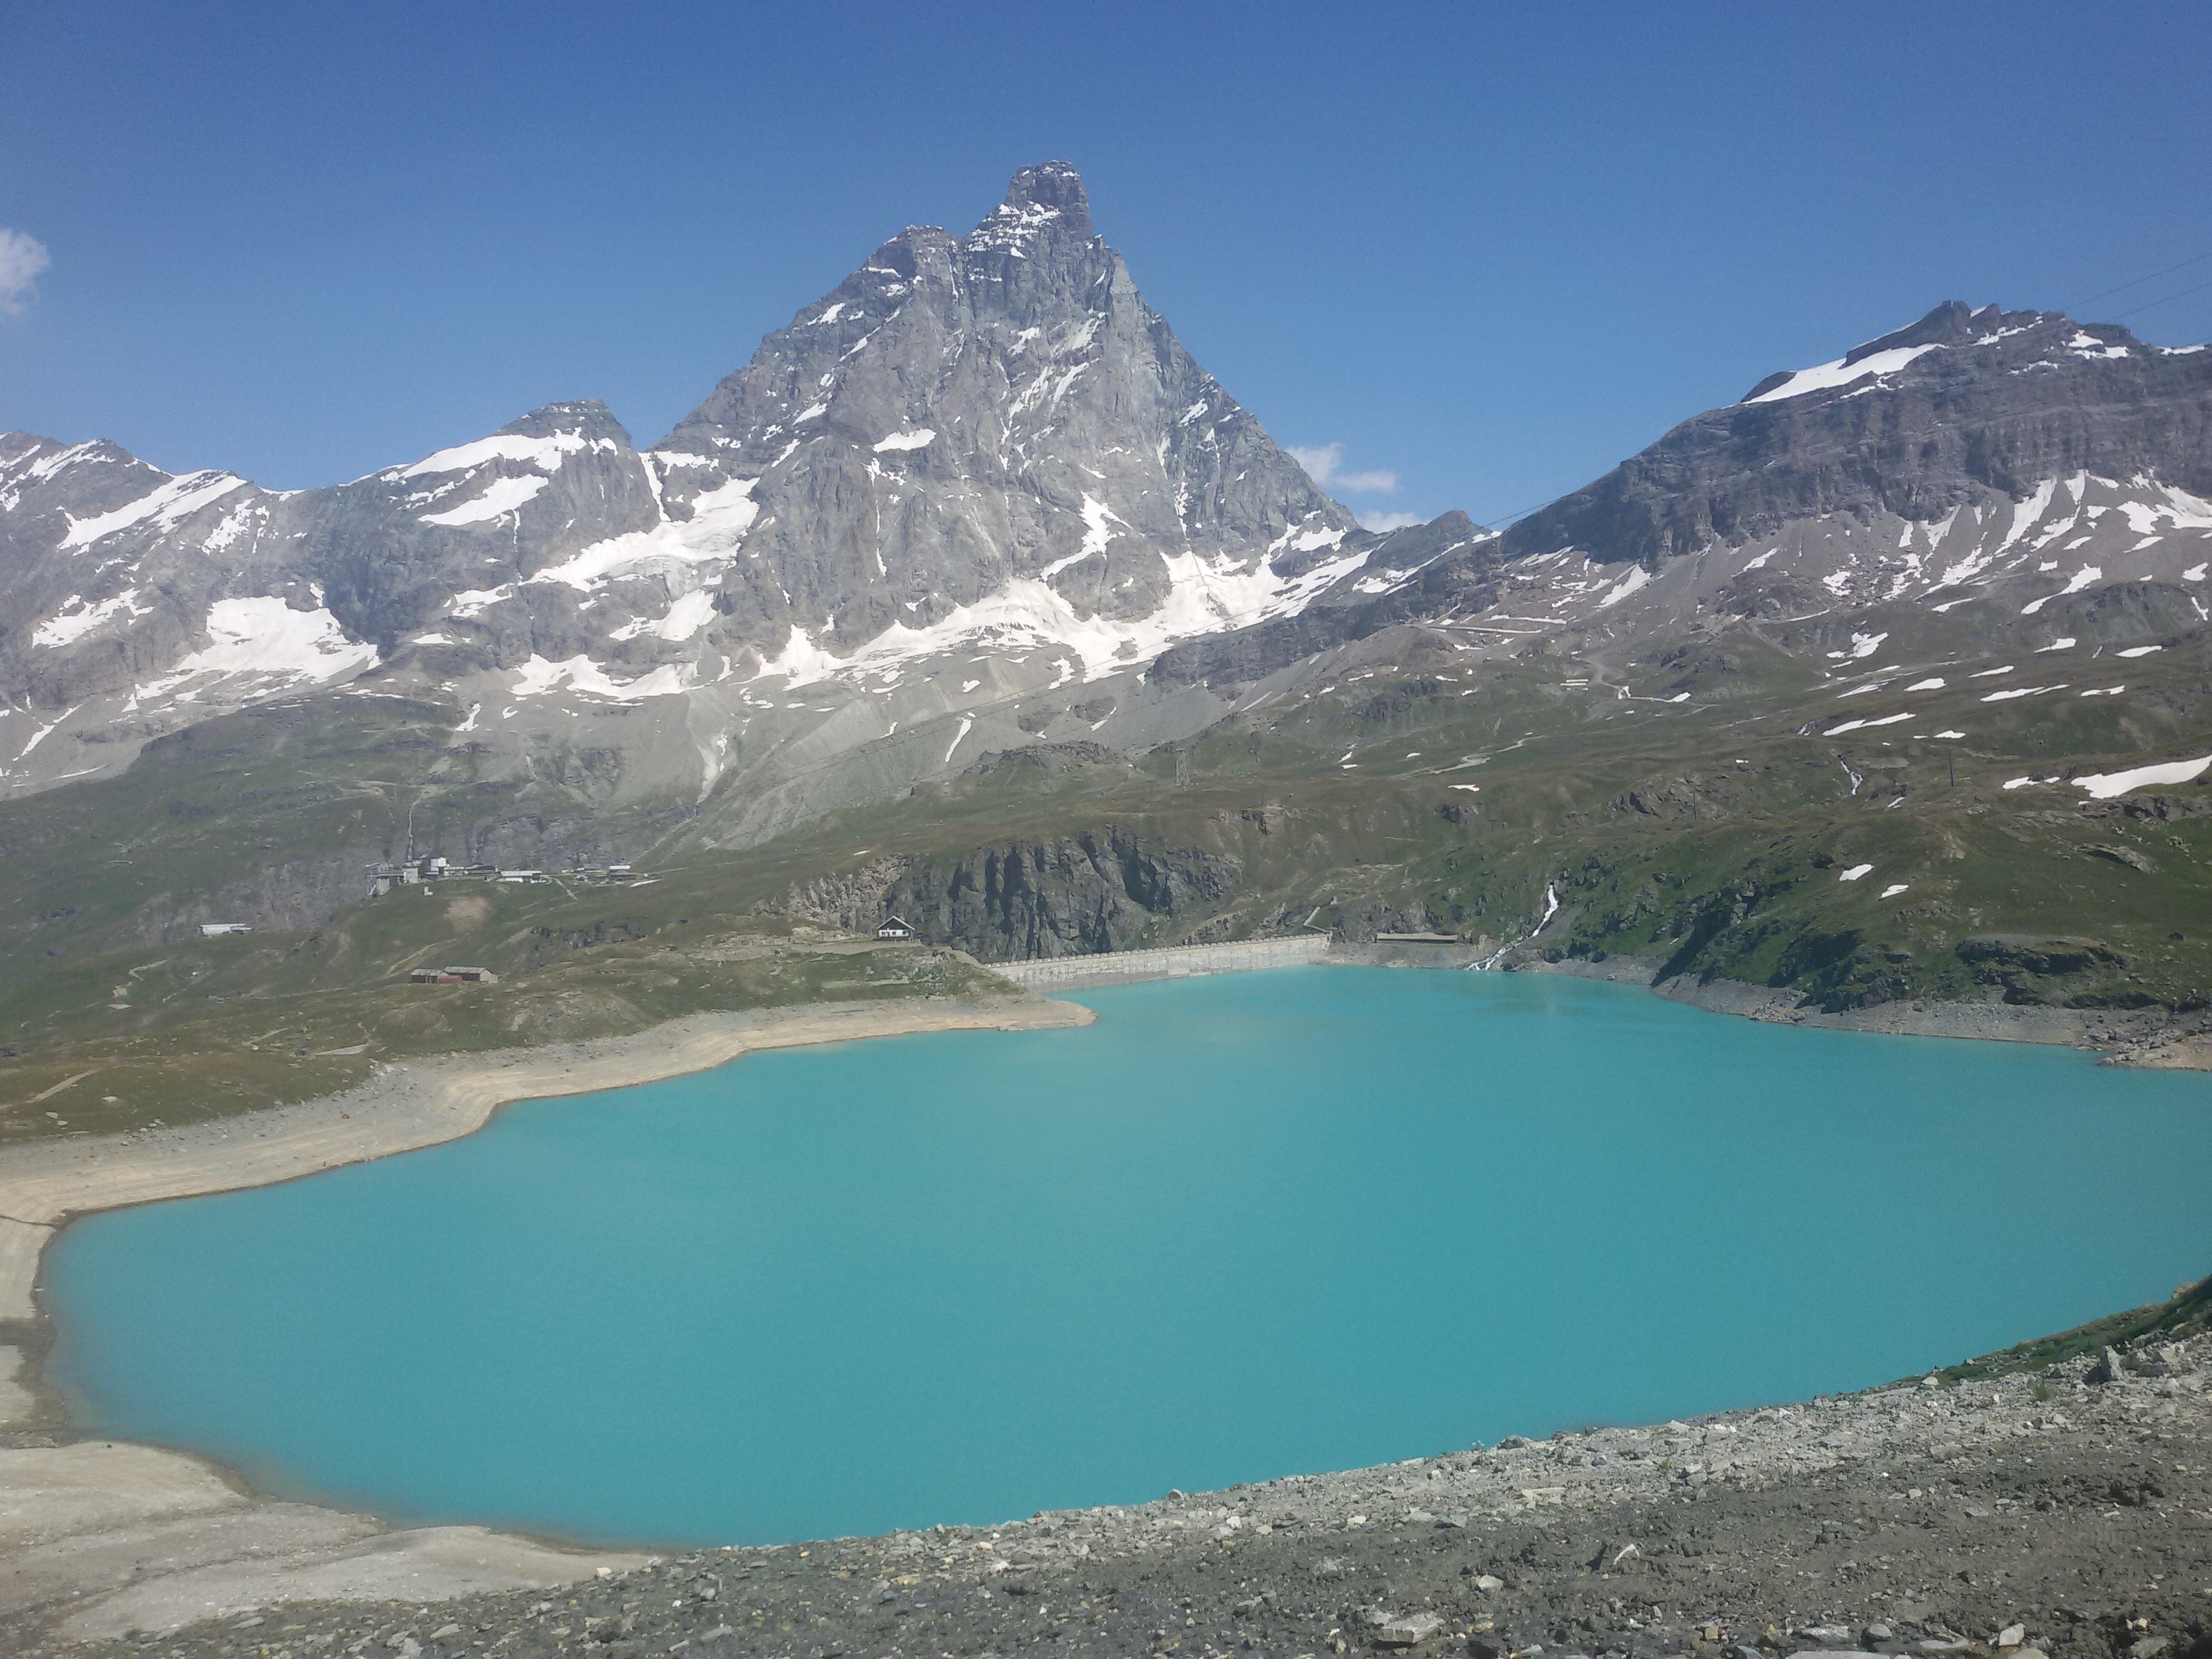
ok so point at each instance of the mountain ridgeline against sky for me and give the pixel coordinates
(988, 435)
(979, 499)
(962, 411)
(1961, 404)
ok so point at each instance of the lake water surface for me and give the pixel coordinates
(1242, 1226)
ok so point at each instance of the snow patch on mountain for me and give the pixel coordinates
(921, 439)
(504, 496)
(720, 518)
(1637, 578)
(2104, 785)
(688, 616)
(579, 674)
(478, 600)
(262, 639)
(172, 500)
(75, 618)
(1205, 595)
(1842, 372)
(547, 453)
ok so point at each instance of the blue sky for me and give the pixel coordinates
(1483, 251)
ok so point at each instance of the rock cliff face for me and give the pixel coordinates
(2017, 463)
(1916, 423)
(964, 411)
(980, 443)
(1444, 567)
(1095, 892)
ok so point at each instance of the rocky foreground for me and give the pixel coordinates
(2066, 1511)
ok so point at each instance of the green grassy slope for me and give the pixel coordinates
(180, 1033)
(1698, 809)
(1712, 833)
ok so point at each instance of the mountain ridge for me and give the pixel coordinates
(1913, 448)
(979, 499)
(1092, 486)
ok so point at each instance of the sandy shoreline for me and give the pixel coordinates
(97, 1538)
(101, 1537)
(421, 1104)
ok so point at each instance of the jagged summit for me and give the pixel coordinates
(1050, 192)
(1962, 405)
(977, 442)
(2049, 334)
(964, 414)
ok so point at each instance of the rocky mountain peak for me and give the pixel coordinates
(961, 414)
(1955, 341)
(978, 444)
(1051, 193)
(1953, 323)
(586, 418)
(1961, 404)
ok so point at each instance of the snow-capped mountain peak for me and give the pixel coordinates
(978, 441)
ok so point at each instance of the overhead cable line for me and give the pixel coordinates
(2075, 305)
(2168, 301)
(1501, 526)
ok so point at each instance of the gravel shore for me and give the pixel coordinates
(1924, 1519)
(96, 1535)
(2068, 1512)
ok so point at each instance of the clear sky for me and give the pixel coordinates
(1487, 251)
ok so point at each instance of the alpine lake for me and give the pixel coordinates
(1243, 1227)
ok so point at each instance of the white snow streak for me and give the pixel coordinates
(580, 674)
(1854, 726)
(171, 501)
(546, 454)
(1204, 596)
(690, 614)
(719, 519)
(68, 625)
(1828, 376)
(2105, 785)
(1640, 577)
(504, 496)
(267, 639)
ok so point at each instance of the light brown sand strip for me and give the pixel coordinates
(20, 1245)
(98, 1539)
(103, 1537)
(421, 1104)
(48, 1094)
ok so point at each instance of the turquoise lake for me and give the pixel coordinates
(1242, 1227)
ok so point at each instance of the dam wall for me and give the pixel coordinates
(1172, 961)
